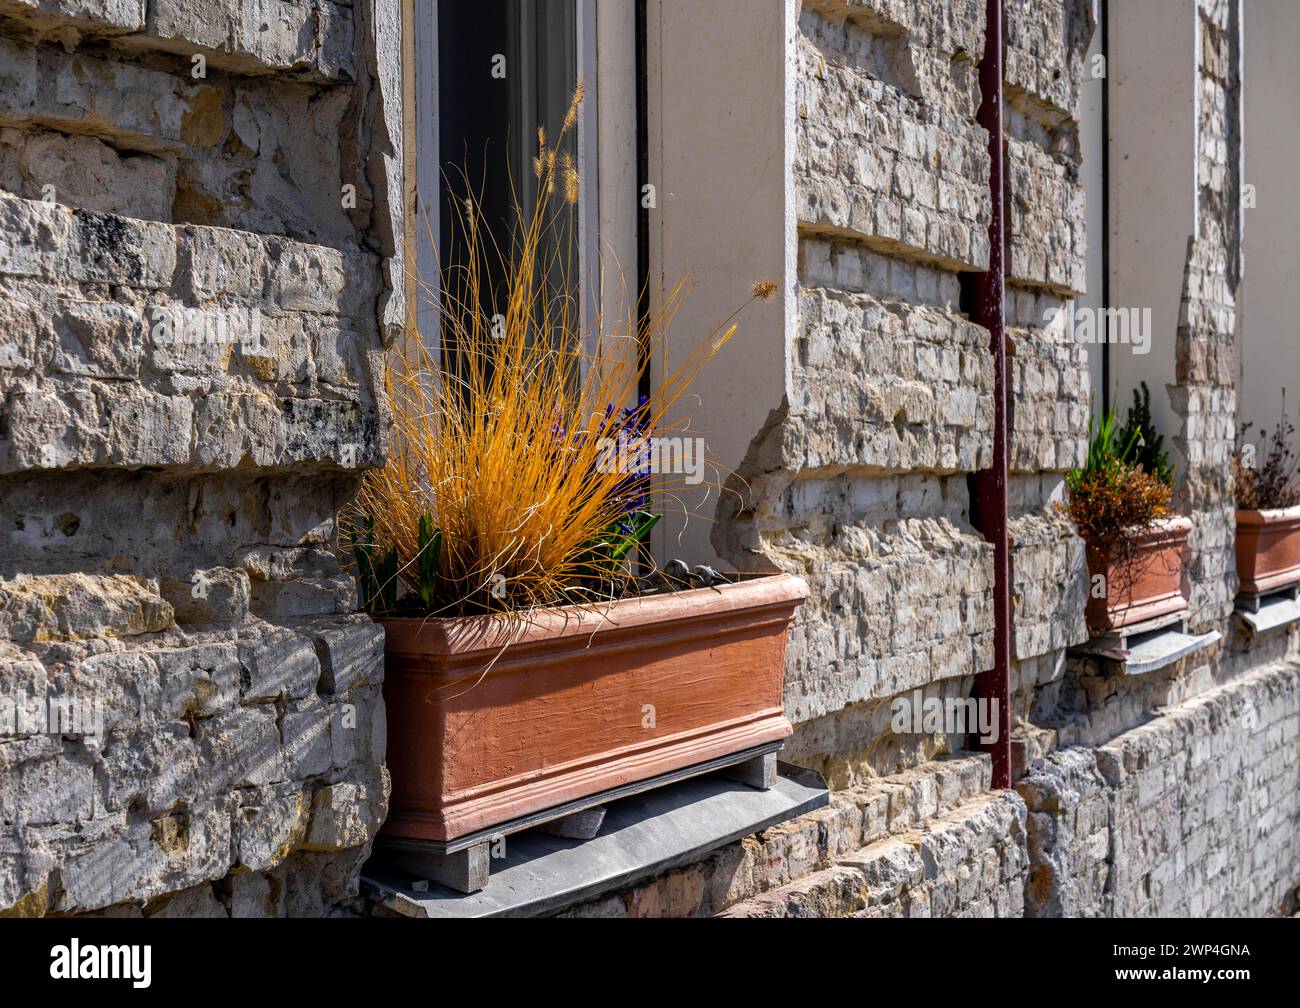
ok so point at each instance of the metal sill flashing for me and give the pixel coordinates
(1148, 647)
(642, 836)
(1260, 614)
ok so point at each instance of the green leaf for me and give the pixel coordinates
(430, 542)
(1142, 444)
(388, 581)
(644, 522)
(363, 553)
(365, 576)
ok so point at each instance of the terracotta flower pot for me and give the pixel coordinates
(1268, 548)
(1151, 585)
(491, 718)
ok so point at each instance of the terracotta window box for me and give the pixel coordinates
(493, 718)
(1268, 549)
(1153, 585)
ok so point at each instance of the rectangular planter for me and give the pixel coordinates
(1153, 585)
(491, 718)
(1268, 549)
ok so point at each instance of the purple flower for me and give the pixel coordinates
(628, 428)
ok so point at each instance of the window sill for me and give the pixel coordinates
(641, 836)
(1148, 647)
(1258, 615)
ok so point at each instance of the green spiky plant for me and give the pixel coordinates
(1114, 501)
(430, 549)
(376, 570)
(1143, 444)
(1109, 445)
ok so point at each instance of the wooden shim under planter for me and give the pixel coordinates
(1261, 613)
(1147, 647)
(576, 825)
(1254, 601)
(1114, 642)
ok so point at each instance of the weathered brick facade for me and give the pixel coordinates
(1169, 793)
(1191, 814)
(193, 313)
(168, 502)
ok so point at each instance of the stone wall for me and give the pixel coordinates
(860, 483)
(197, 281)
(1204, 393)
(198, 278)
(884, 104)
(969, 863)
(930, 841)
(1195, 813)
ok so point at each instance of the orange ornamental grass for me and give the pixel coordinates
(498, 493)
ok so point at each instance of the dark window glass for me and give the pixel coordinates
(487, 124)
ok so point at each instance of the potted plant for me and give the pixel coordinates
(1268, 511)
(527, 663)
(1120, 501)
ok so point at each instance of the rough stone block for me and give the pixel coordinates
(151, 771)
(79, 606)
(213, 595)
(270, 823)
(198, 681)
(351, 654)
(242, 748)
(345, 815)
(106, 16)
(280, 663)
(309, 38)
(308, 734)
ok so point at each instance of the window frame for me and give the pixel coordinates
(426, 160)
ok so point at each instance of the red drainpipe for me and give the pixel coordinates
(989, 504)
